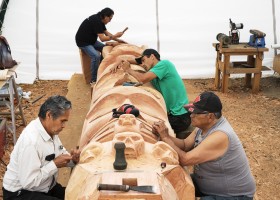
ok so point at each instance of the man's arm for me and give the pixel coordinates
(103, 37)
(141, 77)
(132, 61)
(214, 146)
(183, 144)
(107, 36)
(179, 145)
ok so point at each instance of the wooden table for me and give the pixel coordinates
(224, 67)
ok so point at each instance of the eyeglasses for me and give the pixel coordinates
(200, 113)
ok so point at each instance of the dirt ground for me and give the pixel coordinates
(255, 118)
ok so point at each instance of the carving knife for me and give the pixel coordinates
(126, 188)
(125, 29)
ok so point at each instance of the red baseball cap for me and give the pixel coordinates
(206, 101)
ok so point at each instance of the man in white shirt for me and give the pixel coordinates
(38, 153)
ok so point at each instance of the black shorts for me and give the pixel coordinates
(179, 123)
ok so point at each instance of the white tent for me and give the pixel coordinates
(186, 31)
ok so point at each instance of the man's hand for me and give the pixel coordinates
(159, 128)
(118, 34)
(62, 160)
(115, 68)
(75, 153)
(125, 65)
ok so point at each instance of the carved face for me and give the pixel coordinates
(134, 143)
(90, 152)
(165, 153)
(127, 122)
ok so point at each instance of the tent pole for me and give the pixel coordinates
(158, 43)
(274, 26)
(37, 39)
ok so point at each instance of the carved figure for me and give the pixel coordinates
(149, 161)
(134, 143)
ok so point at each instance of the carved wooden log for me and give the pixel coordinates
(149, 161)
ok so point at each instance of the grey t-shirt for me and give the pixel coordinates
(230, 174)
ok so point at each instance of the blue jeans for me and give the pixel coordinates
(93, 51)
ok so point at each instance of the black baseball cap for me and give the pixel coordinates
(147, 52)
(206, 101)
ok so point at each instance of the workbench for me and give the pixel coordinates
(224, 67)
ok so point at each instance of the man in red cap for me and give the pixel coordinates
(221, 168)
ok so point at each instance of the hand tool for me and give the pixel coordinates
(125, 29)
(126, 188)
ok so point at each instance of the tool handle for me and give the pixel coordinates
(125, 29)
(124, 188)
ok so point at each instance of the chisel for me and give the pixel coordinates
(126, 188)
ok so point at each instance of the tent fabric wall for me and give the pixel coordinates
(3, 5)
(186, 31)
